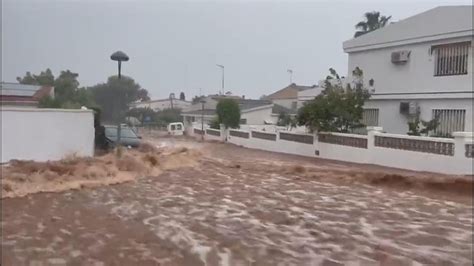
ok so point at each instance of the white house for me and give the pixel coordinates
(288, 96)
(161, 104)
(419, 64)
(253, 112)
(308, 95)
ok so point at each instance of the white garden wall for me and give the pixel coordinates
(45, 134)
(441, 155)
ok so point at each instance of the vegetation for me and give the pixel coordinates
(372, 21)
(214, 124)
(115, 96)
(419, 127)
(112, 97)
(337, 108)
(66, 90)
(182, 97)
(286, 120)
(228, 113)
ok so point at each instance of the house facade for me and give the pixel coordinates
(422, 64)
(161, 104)
(288, 96)
(252, 112)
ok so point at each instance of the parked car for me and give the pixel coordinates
(128, 137)
(176, 129)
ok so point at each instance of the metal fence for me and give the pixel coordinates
(261, 135)
(307, 139)
(427, 146)
(343, 140)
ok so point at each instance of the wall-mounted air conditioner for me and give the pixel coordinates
(400, 57)
(409, 108)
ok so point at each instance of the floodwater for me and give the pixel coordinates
(244, 207)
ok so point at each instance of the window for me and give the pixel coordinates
(243, 121)
(450, 120)
(451, 59)
(370, 117)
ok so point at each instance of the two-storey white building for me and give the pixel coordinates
(420, 64)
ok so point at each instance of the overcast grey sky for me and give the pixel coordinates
(175, 45)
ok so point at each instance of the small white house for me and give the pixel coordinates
(252, 112)
(419, 64)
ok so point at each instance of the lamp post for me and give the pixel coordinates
(290, 71)
(119, 56)
(202, 119)
(222, 67)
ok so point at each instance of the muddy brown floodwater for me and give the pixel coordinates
(247, 207)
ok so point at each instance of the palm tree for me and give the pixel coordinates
(373, 21)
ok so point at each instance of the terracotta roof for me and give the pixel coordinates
(43, 91)
(289, 92)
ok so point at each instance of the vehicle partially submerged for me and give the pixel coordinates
(128, 137)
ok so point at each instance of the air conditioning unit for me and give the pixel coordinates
(400, 57)
(409, 108)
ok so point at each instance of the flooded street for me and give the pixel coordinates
(241, 207)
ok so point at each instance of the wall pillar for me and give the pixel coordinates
(460, 141)
(224, 132)
(371, 132)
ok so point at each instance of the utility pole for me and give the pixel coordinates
(222, 67)
(202, 119)
(119, 56)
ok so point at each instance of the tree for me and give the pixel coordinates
(285, 120)
(115, 96)
(228, 113)
(182, 97)
(337, 108)
(143, 114)
(373, 21)
(45, 78)
(166, 116)
(67, 93)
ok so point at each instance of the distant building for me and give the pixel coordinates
(15, 94)
(161, 104)
(308, 95)
(288, 96)
(253, 112)
(420, 64)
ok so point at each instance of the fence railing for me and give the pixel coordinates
(307, 139)
(358, 142)
(262, 135)
(239, 134)
(213, 132)
(198, 131)
(469, 150)
(418, 145)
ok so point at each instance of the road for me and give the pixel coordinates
(242, 207)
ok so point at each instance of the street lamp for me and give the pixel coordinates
(119, 56)
(202, 118)
(222, 67)
(290, 71)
